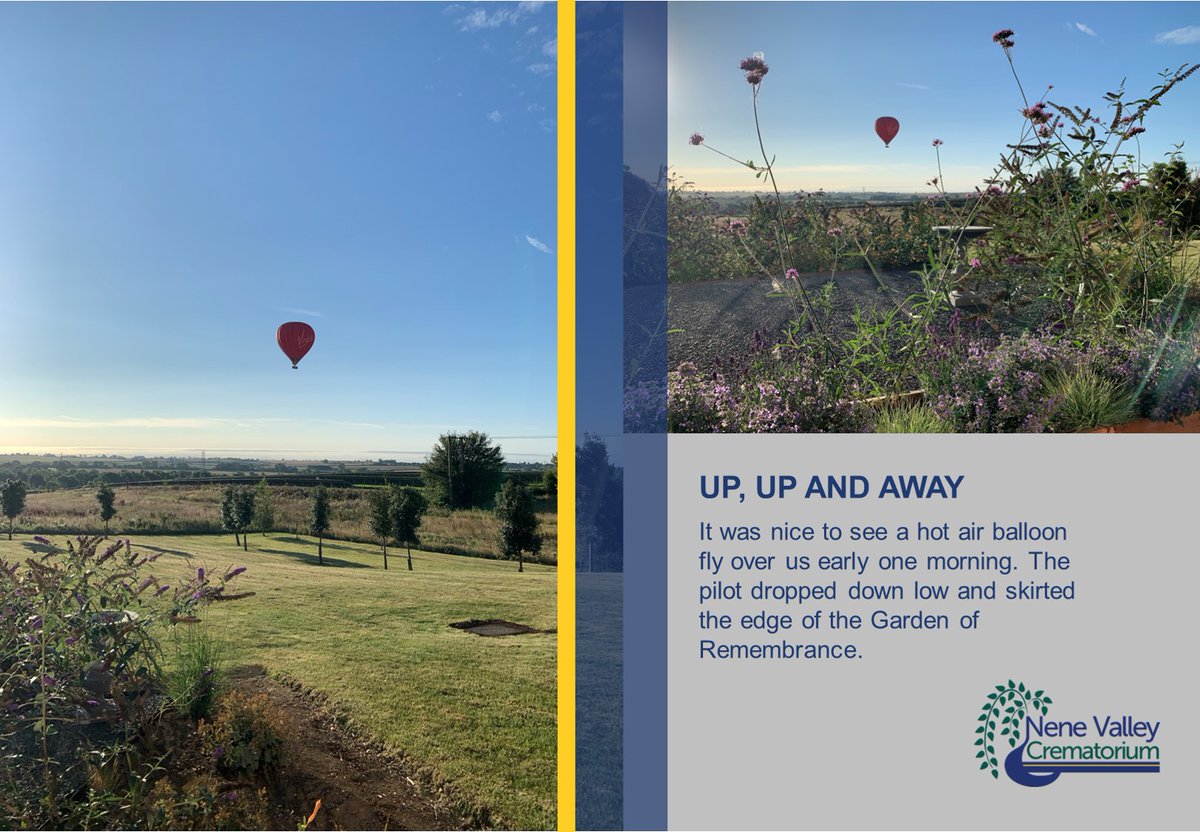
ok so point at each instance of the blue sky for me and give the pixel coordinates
(835, 67)
(180, 179)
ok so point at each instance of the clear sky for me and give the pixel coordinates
(835, 67)
(178, 180)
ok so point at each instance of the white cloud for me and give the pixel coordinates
(540, 69)
(495, 116)
(1179, 37)
(550, 48)
(480, 19)
(1086, 29)
(308, 313)
(538, 244)
(914, 86)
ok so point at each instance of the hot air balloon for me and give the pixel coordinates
(295, 338)
(887, 128)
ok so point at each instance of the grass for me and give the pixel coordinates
(476, 713)
(195, 509)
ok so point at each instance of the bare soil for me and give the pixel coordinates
(359, 784)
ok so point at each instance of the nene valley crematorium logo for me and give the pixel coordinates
(1040, 748)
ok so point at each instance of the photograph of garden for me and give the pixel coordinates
(997, 233)
(278, 483)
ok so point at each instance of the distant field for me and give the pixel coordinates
(195, 509)
(477, 713)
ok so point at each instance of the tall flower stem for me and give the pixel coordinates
(781, 238)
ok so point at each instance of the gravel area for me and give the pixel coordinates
(718, 318)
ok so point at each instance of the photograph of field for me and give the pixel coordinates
(278, 472)
(997, 235)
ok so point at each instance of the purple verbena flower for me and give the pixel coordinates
(696, 139)
(1004, 38)
(937, 142)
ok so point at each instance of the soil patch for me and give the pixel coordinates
(360, 785)
(493, 627)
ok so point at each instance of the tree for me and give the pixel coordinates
(12, 501)
(381, 518)
(229, 512)
(243, 514)
(105, 497)
(518, 524)
(408, 507)
(550, 478)
(463, 470)
(264, 508)
(318, 520)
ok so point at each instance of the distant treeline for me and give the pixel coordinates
(39, 476)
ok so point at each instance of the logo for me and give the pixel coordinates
(1040, 749)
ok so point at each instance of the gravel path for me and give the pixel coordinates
(719, 317)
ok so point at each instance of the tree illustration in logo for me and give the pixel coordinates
(1005, 709)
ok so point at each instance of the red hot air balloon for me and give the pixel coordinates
(295, 338)
(887, 127)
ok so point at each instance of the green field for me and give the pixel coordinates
(478, 714)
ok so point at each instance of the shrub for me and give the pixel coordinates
(790, 393)
(198, 674)
(1088, 400)
(1000, 388)
(910, 418)
(246, 736)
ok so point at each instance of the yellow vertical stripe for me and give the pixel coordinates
(566, 415)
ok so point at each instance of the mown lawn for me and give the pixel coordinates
(477, 713)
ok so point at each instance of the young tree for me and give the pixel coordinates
(12, 501)
(518, 524)
(550, 478)
(408, 507)
(318, 519)
(229, 512)
(105, 496)
(264, 508)
(463, 470)
(381, 518)
(243, 514)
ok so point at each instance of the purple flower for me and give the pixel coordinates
(994, 190)
(1037, 113)
(231, 796)
(1159, 223)
(1130, 184)
(975, 263)
(737, 227)
(218, 752)
(1004, 38)
(937, 142)
(200, 573)
(162, 589)
(696, 139)
(792, 274)
(95, 703)
(233, 573)
(208, 671)
(1134, 131)
(37, 538)
(834, 232)
(755, 68)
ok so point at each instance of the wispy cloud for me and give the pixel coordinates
(495, 116)
(550, 48)
(538, 244)
(308, 313)
(1086, 29)
(1179, 37)
(478, 19)
(914, 86)
(540, 69)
